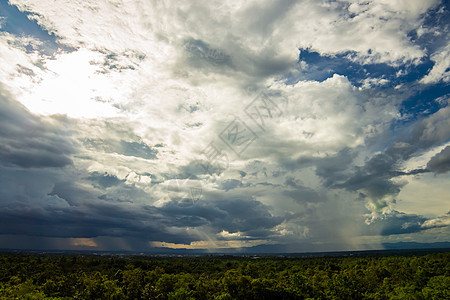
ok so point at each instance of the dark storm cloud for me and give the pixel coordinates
(440, 163)
(30, 142)
(71, 192)
(226, 51)
(22, 188)
(87, 213)
(77, 193)
(186, 214)
(105, 180)
(100, 219)
(245, 215)
(396, 223)
(102, 205)
(433, 130)
(375, 176)
(299, 193)
(332, 168)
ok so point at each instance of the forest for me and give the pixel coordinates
(80, 276)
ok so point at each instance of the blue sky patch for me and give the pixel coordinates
(19, 23)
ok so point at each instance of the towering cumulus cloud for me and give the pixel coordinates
(238, 126)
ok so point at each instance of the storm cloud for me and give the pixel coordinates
(27, 141)
(278, 126)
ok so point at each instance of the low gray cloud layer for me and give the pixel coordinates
(440, 163)
(27, 141)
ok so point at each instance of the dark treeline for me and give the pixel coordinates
(26, 276)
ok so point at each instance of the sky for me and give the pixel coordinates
(224, 126)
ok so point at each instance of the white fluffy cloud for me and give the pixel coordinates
(440, 71)
(146, 86)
